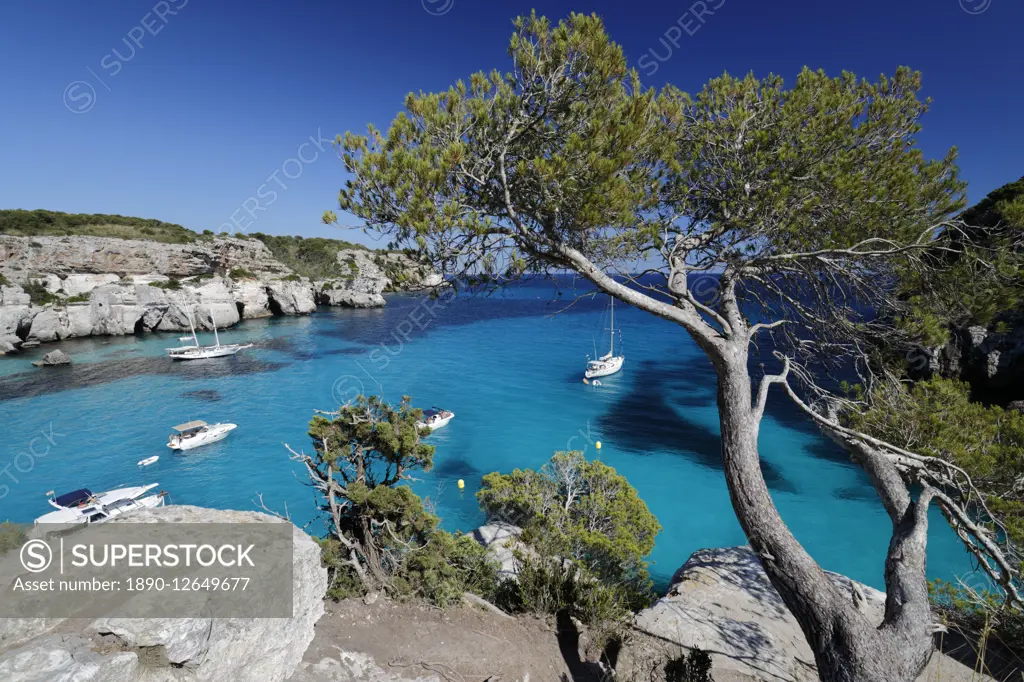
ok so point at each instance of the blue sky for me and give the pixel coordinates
(181, 110)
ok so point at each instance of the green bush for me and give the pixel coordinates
(38, 294)
(586, 533)
(12, 536)
(4, 282)
(315, 257)
(77, 298)
(241, 273)
(693, 668)
(171, 284)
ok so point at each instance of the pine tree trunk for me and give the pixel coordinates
(847, 647)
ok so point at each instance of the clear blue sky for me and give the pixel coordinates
(222, 93)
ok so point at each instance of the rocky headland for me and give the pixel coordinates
(60, 287)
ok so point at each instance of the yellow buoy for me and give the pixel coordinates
(462, 484)
(598, 445)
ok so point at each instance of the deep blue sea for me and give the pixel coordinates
(509, 366)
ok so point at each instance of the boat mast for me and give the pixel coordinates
(192, 326)
(215, 335)
(611, 334)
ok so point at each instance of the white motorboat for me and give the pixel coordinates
(84, 506)
(197, 352)
(435, 418)
(609, 363)
(195, 433)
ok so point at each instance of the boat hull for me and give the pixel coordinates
(435, 425)
(606, 368)
(204, 353)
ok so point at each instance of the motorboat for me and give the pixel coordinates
(85, 507)
(609, 363)
(435, 418)
(195, 433)
(197, 352)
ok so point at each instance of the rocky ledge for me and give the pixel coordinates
(173, 649)
(54, 288)
(721, 602)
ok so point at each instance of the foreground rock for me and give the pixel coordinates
(54, 357)
(501, 541)
(172, 649)
(722, 602)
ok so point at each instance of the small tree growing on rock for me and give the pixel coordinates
(381, 537)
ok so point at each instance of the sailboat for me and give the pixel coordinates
(197, 352)
(609, 363)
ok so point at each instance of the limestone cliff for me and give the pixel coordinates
(54, 288)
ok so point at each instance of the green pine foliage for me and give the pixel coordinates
(587, 532)
(381, 535)
(938, 418)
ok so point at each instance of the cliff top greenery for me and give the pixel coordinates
(20, 223)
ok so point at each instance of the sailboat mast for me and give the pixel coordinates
(192, 326)
(611, 333)
(215, 335)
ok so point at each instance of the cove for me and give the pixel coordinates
(507, 365)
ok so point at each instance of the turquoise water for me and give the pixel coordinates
(510, 369)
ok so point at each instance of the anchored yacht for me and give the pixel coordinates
(435, 418)
(609, 363)
(197, 352)
(84, 506)
(195, 433)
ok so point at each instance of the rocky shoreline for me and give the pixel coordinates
(55, 288)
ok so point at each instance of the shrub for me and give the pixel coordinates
(693, 668)
(38, 294)
(291, 278)
(12, 536)
(4, 282)
(171, 284)
(77, 298)
(241, 273)
(586, 532)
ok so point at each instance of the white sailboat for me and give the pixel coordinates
(609, 363)
(197, 352)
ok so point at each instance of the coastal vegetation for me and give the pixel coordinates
(585, 532)
(312, 257)
(12, 536)
(381, 536)
(822, 222)
(22, 223)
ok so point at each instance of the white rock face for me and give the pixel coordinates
(348, 298)
(252, 295)
(75, 285)
(197, 649)
(722, 602)
(291, 297)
